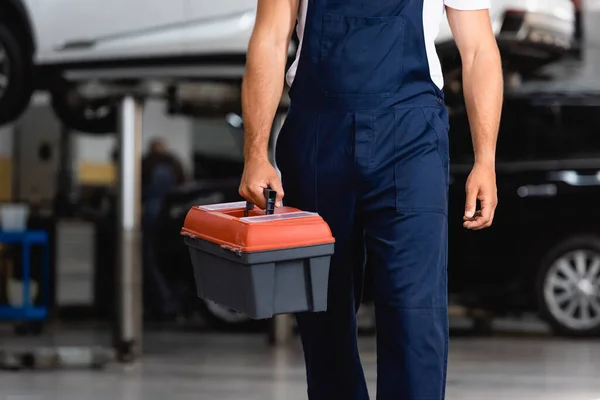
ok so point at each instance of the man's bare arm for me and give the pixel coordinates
(483, 92)
(261, 93)
(265, 70)
(482, 78)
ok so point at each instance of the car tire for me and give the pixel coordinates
(17, 68)
(76, 113)
(223, 319)
(568, 287)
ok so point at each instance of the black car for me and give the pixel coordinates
(542, 252)
(216, 180)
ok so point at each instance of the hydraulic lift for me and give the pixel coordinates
(186, 98)
(128, 340)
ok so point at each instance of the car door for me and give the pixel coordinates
(480, 262)
(559, 188)
(90, 30)
(219, 28)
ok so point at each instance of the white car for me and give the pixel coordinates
(55, 44)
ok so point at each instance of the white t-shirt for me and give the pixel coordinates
(433, 12)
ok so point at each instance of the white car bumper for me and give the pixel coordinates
(527, 24)
(536, 30)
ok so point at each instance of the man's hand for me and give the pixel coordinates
(481, 185)
(259, 175)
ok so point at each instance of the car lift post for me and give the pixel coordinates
(129, 328)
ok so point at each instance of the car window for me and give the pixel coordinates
(461, 146)
(580, 131)
(529, 133)
(215, 137)
(534, 133)
(553, 133)
(218, 148)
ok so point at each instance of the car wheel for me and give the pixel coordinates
(16, 75)
(79, 114)
(568, 287)
(223, 318)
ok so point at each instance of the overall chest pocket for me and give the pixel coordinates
(361, 55)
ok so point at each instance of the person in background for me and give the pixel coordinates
(158, 157)
(161, 173)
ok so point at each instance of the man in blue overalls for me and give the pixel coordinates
(365, 144)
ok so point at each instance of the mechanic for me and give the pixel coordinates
(161, 173)
(365, 144)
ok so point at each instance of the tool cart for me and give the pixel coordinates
(21, 293)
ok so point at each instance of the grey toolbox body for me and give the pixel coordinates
(260, 264)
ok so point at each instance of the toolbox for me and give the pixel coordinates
(257, 262)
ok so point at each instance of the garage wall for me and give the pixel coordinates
(94, 153)
(592, 5)
(93, 158)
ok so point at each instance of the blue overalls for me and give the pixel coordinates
(365, 144)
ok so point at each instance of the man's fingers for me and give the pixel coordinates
(486, 211)
(255, 179)
(254, 195)
(258, 197)
(275, 184)
(482, 218)
(474, 222)
(480, 186)
(471, 202)
(474, 217)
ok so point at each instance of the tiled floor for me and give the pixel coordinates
(200, 366)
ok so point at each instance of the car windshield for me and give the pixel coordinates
(533, 133)
(218, 148)
(217, 137)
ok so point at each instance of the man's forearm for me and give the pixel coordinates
(261, 94)
(483, 91)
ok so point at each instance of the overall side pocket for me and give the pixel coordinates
(421, 166)
(438, 119)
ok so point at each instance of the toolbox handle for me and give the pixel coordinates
(270, 197)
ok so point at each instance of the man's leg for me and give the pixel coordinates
(329, 339)
(158, 288)
(315, 156)
(404, 203)
(408, 256)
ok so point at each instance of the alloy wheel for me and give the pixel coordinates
(572, 290)
(89, 110)
(4, 70)
(225, 314)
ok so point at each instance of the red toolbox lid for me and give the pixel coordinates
(226, 225)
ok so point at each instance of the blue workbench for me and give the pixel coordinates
(28, 311)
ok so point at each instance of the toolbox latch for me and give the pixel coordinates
(235, 250)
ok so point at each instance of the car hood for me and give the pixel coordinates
(562, 9)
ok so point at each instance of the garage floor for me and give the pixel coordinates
(202, 366)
